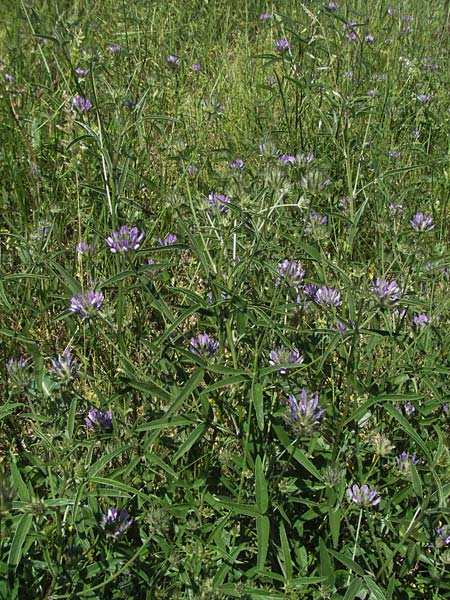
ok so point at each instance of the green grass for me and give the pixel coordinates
(228, 496)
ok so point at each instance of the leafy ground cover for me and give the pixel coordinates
(224, 310)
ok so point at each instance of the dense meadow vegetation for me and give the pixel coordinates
(224, 307)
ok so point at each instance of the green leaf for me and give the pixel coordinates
(348, 562)
(258, 402)
(353, 589)
(409, 430)
(71, 418)
(118, 485)
(376, 592)
(416, 482)
(287, 560)
(262, 498)
(249, 510)
(19, 484)
(326, 567)
(191, 440)
(102, 462)
(334, 518)
(15, 553)
(262, 536)
(296, 452)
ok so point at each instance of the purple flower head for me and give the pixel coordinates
(370, 39)
(391, 11)
(237, 164)
(409, 409)
(64, 368)
(86, 304)
(285, 357)
(218, 201)
(423, 98)
(129, 104)
(115, 49)
(196, 67)
(327, 297)
(173, 61)
(421, 223)
(18, 373)
(287, 159)
(265, 16)
(192, 170)
(203, 346)
(9, 78)
(420, 321)
(97, 419)
(282, 45)
(305, 415)
(81, 104)
(169, 240)
(332, 6)
(429, 64)
(341, 327)
(445, 407)
(81, 72)
(408, 18)
(344, 202)
(291, 273)
(387, 293)
(125, 239)
(84, 248)
(116, 523)
(407, 29)
(395, 210)
(442, 537)
(404, 462)
(315, 223)
(415, 133)
(395, 154)
(363, 495)
(309, 292)
(352, 36)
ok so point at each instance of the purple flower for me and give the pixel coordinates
(291, 273)
(81, 104)
(408, 18)
(315, 222)
(327, 297)
(219, 201)
(192, 170)
(116, 523)
(196, 67)
(9, 78)
(445, 407)
(98, 419)
(351, 35)
(429, 64)
(173, 61)
(404, 462)
(387, 292)
(203, 346)
(310, 291)
(415, 133)
(285, 357)
(442, 537)
(64, 368)
(420, 321)
(423, 98)
(282, 45)
(265, 16)
(332, 6)
(395, 154)
(395, 210)
(370, 39)
(407, 29)
(391, 11)
(363, 495)
(84, 248)
(125, 239)
(237, 164)
(115, 49)
(169, 240)
(129, 104)
(81, 72)
(409, 409)
(18, 373)
(86, 303)
(421, 223)
(305, 415)
(287, 159)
